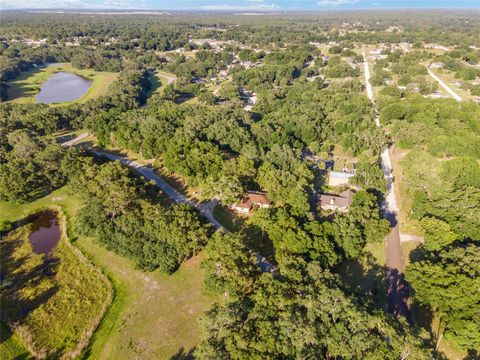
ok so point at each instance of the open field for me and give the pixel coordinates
(53, 304)
(449, 79)
(24, 88)
(61, 197)
(152, 316)
(157, 83)
(158, 80)
(407, 248)
(427, 319)
(227, 219)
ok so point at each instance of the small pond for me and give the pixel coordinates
(63, 86)
(45, 232)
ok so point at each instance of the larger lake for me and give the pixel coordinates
(62, 87)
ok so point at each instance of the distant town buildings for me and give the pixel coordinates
(378, 57)
(436, 47)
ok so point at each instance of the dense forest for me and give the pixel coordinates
(265, 106)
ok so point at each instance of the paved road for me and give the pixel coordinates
(397, 289)
(205, 208)
(75, 140)
(445, 86)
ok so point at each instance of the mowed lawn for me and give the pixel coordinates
(24, 88)
(153, 316)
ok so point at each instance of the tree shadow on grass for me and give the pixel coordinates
(417, 254)
(365, 279)
(183, 355)
(5, 335)
(472, 355)
(16, 308)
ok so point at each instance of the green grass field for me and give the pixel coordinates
(153, 316)
(11, 346)
(158, 80)
(54, 307)
(366, 275)
(227, 219)
(24, 88)
(448, 78)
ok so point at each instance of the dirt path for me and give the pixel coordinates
(75, 140)
(169, 77)
(397, 288)
(445, 86)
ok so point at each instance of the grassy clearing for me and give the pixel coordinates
(155, 316)
(404, 200)
(407, 248)
(449, 79)
(24, 88)
(53, 305)
(366, 275)
(424, 317)
(157, 84)
(159, 80)
(227, 219)
(257, 240)
(61, 197)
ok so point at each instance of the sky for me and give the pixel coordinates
(237, 5)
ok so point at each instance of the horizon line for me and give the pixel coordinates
(262, 11)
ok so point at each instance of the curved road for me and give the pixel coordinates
(397, 288)
(205, 208)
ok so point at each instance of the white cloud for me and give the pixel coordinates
(73, 4)
(336, 2)
(256, 5)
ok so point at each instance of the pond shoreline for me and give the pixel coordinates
(25, 87)
(84, 340)
(63, 87)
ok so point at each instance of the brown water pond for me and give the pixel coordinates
(45, 232)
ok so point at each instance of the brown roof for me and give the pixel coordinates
(253, 199)
(343, 200)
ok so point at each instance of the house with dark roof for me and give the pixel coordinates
(253, 199)
(336, 202)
